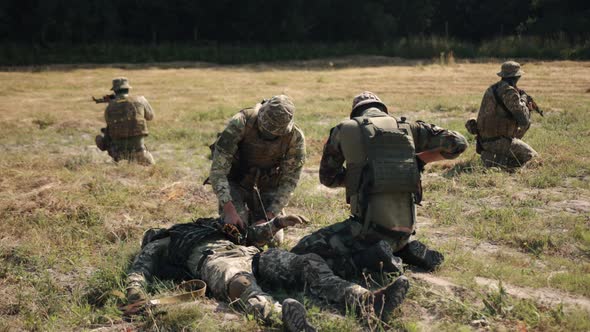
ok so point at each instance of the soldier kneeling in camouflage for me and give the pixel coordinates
(231, 264)
(257, 162)
(126, 117)
(384, 157)
(504, 118)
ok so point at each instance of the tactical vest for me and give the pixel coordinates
(493, 120)
(388, 162)
(258, 157)
(125, 118)
(380, 159)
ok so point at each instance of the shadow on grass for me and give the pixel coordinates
(472, 165)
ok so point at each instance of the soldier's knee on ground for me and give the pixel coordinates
(378, 258)
(237, 286)
(417, 254)
(99, 140)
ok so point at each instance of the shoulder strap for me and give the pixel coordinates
(499, 100)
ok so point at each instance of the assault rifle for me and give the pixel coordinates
(104, 99)
(531, 102)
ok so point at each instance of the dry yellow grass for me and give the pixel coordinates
(71, 218)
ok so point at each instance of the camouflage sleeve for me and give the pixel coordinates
(430, 137)
(516, 104)
(149, 111)
(225, 149)
(290, 169)
(332, 171)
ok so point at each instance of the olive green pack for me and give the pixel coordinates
(126, 118)
(390, 165)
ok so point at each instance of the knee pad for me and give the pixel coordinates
(237, 286)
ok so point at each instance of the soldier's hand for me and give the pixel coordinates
(232, 217)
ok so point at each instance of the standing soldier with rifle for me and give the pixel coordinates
(126, 117)
(504, 118)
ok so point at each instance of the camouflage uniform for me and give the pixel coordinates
(388, 216)
(126, 118)
(227, 268)
(246, 156)
(500, 128)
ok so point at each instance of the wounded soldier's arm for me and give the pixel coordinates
(435, 143)
(516, 104)
(332, 171)
(290, 172)
(225, 149)
(261, 234)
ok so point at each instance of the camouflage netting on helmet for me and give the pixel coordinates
(276, 115)
(366, 98)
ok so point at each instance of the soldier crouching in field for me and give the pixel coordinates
(504, 118)
(257, 162)
(126, 117)
(232, 265)
(384, 157)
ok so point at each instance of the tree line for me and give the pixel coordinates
(43, 22)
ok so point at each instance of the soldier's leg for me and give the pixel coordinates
(418, 254)
(379, 258)
(144, 268)
(143, 157)
(333, 244)
(227, 270)
(285, 269)
(99, 140)
(521, 153)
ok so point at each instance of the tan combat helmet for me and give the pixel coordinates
(120, 83)
(276, 116)
(365, 98)
(510, 69)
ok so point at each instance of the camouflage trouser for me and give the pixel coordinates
(337, 244)
(249, 207)
(508, 153)
(224, 266)
(283, 269)
(132, 149)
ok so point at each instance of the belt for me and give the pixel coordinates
(492, 139)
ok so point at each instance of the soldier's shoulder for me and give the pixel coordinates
(298, 133)
(239, 119)
(504, 88)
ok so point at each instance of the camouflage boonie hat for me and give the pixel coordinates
(120, 83)
(365, 98)
(510, 69)
(276, 115)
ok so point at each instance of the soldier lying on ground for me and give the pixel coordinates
(384, 157)
(231, 265)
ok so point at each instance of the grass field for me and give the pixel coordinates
(517, 245)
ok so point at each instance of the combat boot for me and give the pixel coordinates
(295, 317)
(417, 254)
(378, 258)
(388, 298)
